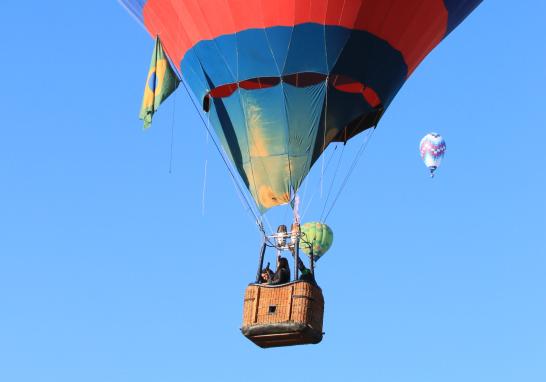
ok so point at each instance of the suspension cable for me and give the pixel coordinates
(257, 216)
(351, 169)
(172, 134)
(308, 181)
(332, 183)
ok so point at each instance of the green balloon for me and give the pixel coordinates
(317, 236)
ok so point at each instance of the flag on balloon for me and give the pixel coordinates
(160, 83)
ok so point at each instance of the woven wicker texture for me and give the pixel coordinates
(299, 302)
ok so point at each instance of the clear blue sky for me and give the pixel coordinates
(109, 271)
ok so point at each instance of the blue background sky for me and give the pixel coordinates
(110, 271)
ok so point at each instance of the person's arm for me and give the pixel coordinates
(276, 279)
(301, 265)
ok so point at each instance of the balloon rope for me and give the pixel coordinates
(353, 165)
(333, 180)
(205, 171)
(204, 189)
(330, 159)
(226, 163)
(172, 134)
(324, 138)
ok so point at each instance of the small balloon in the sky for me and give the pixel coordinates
(432, 148)
(317, 238)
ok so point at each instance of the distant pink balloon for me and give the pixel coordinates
(432, 148)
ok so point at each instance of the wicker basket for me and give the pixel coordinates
(283, 315)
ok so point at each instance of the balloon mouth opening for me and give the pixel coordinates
(339, 82)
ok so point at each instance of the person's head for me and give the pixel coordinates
(283, 262)
(265, 275)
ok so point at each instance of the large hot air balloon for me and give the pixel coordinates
(281, 80)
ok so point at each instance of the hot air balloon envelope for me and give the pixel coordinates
(282, 79)
(317, 237)
(432, 148)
